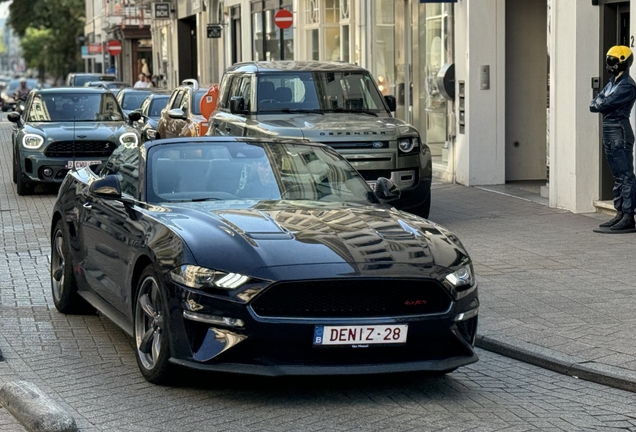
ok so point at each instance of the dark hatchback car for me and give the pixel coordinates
(260, 257)
(131, 98)
(79, 79)
(150, 111)
(64, 128)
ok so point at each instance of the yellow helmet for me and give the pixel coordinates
(619, 58)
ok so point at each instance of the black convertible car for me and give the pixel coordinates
(259, 257)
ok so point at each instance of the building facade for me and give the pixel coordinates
(488, 83)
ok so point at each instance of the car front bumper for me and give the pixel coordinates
(34, 167)
(225, 336)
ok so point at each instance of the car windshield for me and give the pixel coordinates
(56, 107)
(133, 99)
(318, 92)
(14, 84)
(158, 103)
(199, 171)
(197, 101)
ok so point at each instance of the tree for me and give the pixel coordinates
(64, 22)
(35, 48)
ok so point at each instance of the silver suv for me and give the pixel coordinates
(333, 103)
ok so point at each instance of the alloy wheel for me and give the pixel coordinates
(149, 323)
(57, 265)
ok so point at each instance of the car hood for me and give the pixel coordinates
(254, 239)
(333, 126)
(79, 130)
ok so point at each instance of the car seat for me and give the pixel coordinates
(283, 95)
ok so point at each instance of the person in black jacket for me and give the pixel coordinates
(615, 103)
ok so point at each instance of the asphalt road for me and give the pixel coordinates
(87, 365)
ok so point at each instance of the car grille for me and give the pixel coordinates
(352, 298)
(358, 145)
(372, 175)
(80, 148)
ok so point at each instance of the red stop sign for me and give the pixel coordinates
(113, 47)
(283, 19)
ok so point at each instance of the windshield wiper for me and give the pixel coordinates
(204, 199)
(339, 110)
(313, 111)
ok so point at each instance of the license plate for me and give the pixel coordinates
(81, 164)
(371, 185)
(360, 335)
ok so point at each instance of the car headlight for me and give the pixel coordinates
(129, 139)
(200, 277)
(32, 141)
(462, 277)
(407, 145)
(151, 133)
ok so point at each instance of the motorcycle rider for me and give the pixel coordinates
(23, 91)
(615, 103)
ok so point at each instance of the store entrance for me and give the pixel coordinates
(526, 91)
(614, 31)
(188, 67)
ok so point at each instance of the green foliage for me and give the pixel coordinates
(63, 22)
(35, 43)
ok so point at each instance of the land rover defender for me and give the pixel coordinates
(333, 103)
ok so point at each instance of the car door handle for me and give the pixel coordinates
(87, 206)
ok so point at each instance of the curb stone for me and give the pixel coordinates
(546, 358)
(34, 409)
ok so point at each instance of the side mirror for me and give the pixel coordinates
(386, 190)
(134, 116)
(237, 105)
(177, 114)
(106, 187)
(14, 117)
(390, 100)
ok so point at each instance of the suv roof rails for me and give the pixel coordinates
(191, 82)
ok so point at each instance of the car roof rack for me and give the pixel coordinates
(191, 82)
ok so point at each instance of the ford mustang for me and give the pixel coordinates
(63, 128)
(261, 257)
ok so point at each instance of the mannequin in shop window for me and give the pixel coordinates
(615, 103)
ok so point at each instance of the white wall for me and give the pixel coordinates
(574, 131)
(480, 40)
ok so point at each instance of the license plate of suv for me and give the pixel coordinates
(360, 335)
(81, 164)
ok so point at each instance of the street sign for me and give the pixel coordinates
(283, 19)
(161, 10)
(113, 47)
(214, 31)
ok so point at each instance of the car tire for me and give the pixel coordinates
(150, 330)
(422, 210)
(23, 187)
(15, 169)
(63, 283)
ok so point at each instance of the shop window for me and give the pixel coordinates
(270, 42)
(327, 24)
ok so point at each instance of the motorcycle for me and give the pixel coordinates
(20, 104)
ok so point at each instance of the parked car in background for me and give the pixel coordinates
(150, 111)
(63, 129)
(260, 257)
(334, 103)
(113, 86)
(7, 99)
(79, 79)
(131, 98)
(182, 115)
